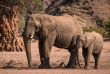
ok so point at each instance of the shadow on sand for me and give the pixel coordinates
(106, 39)
(18, 68)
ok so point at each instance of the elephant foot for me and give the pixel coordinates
(96, 67)
(44, 67)
(66, 66)
(41, 66)
(87, 67)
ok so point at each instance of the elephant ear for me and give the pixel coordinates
(47, 25)
(89, 40)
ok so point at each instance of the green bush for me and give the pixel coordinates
(100, 30)
(106, 23)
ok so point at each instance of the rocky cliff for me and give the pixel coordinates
(87, 12)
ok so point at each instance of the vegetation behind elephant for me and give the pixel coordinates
(92, 43)
(51, 30)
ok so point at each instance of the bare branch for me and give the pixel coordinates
(5, 6)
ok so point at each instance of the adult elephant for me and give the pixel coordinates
(51, 30)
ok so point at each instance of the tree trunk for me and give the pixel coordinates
(9, 39)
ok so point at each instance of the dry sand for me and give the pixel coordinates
(16, 62)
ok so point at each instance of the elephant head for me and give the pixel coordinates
(39, 25)
(84, 40)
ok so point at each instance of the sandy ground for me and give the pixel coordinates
(16, 62)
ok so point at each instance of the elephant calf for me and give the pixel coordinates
(92, 44)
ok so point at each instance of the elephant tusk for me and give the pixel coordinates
(31, 37)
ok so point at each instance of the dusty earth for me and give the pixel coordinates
(16, 62)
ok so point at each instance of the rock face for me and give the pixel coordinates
(87, 12)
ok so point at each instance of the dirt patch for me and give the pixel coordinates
(16, 62)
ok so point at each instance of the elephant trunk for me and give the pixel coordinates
(77, 54)
(28, 51)
(78, 59)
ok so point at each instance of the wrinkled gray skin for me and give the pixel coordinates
(92, 44)
(51, 30)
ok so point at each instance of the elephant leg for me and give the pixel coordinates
(96, 57)
(96, 60)
(41, 52)
(72, 60)
(87, 58)
(85, 54)
(48, 43)
(69, 65)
